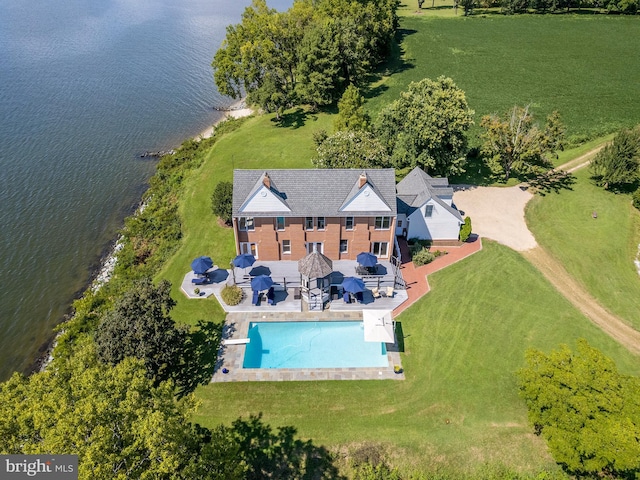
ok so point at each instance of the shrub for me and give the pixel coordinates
(231, 294)
(636, 198)
(465, 229)
(424, 256)
(221, 201)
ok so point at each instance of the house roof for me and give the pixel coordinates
(417, 188)
(314, 192)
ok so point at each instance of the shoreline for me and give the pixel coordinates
(103, 269)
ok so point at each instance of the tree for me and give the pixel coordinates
(515, 143)
(468, 6)
(222, 201)
(351, 149)
(115, 419)
(618, 163)
(426, 126)
(587, 411)
(465, 229)
(139, 326)
(351, 114)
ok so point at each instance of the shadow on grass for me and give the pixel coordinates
(476, 173)
(394, 64)
(552, 182)
(200, 357)
(294, 119)
(400, 337)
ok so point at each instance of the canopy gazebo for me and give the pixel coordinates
(315, 266)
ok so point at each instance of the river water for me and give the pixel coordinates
(85, 88)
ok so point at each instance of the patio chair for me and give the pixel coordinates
(390, 292)
(271, 296)
(256, 298)
(346, 297)
(375, 291)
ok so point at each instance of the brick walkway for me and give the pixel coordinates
(416, 278)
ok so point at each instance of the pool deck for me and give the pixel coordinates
(237, 327)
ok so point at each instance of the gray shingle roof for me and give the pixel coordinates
(314, 192)
(418, 187)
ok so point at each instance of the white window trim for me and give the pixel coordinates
(283, 251)
(346, 250)
(382, 227)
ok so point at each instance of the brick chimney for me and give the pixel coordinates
(362, 181)
(267, 181)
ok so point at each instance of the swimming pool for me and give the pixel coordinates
(311, 345)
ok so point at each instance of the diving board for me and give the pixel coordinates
(236, 341)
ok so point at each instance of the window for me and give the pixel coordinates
(246, 247)
(383, 223)
(317, 245)
(348, 223)
(246, 223)
(286, 247)
(380, 249)
(428, 211)
(344, 246)
(399, 223)
(279, 223)
(308, 223)
(320, 222)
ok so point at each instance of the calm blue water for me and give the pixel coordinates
(311, 345)
(85, 87)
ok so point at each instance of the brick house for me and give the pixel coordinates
(285, 214)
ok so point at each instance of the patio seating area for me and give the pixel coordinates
(287, 287)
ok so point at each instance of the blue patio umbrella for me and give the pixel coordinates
(261, 282)
(353, 285)
(367, 259)
(243, 261)
(201, 264)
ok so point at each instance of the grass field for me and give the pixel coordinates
(463, 342)
(582, 66)
(597, 252)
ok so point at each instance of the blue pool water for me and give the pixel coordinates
(311, 345)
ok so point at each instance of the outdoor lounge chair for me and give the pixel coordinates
(390, 292)
(375, 291)
(271, 296)
(256, 298)
(346, 297)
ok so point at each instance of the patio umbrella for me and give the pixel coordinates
(315, 265)
(378, 326)
(261, 282)
(367, 259)
(353, 285)
(245, 260)
(201, 264)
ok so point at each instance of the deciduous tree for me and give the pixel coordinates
(587, 411)
(426, 126)
(139, 326)
(351, 149)
(222, 201)
(515, 143)
(618, 163)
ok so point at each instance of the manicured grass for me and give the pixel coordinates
(599, 252)
(582, 66)
(463, 342)
(259, 143)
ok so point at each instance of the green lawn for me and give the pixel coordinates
(599, 252)
(463, 342)
(582, 66)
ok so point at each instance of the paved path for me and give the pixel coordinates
(416, 277)
(498, 213)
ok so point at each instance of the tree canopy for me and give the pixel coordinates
(618, 163)
(308, 54)
(351, 149)
(426, 127)
(139, 326)
(222, 201)
(515, 142)
(587, 411)
(351, 114)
